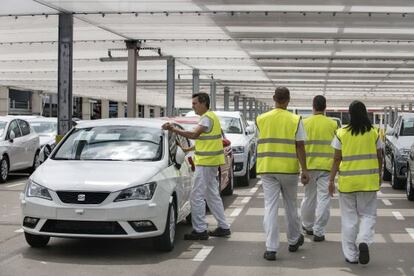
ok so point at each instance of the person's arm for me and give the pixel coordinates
(301, 154)
(335, 167)
(194, 134)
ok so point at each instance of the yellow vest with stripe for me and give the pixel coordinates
(320, 130)
(276, 147)
(359, 168)
(209, 146)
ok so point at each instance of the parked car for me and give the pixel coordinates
(410, 186)
(19, 146)
(398, 141)
(110, 178)
(225, 172)
(46, 127)
(243, 142)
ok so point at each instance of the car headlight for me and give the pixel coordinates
(239, 149)
(143, 192)
(35, 190)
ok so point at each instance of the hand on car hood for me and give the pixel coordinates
(94, 175)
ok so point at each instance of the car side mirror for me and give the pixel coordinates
(42, 155)
(179, 157)
(226, 142)
(12, 135)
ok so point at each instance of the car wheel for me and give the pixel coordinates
(386, 175)
(253, 172)
(4, 169)
(230, 185)
(395, 182)
(245, 179)
(409, 188)
(36, 162)
(36, 240)
(165, 242)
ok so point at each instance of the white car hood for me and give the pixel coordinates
(404, 142)
(237, 139)
(94, 175)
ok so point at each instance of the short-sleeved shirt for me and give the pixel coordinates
(207, 123)
(300, 134)
(336, 144)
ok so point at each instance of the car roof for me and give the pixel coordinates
(186, 120)
(235, 114)
(146, 122)
(406, 114)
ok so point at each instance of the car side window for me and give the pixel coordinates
(172, 146)
(15, 128)
(25, 127)
(181, 140)
(243, 122)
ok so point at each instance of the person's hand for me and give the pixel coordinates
(304, 177)
(167, 126)
(331, 187)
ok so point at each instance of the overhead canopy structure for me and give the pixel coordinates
(343, 49)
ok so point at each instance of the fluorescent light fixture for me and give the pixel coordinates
(291, 53)
(394, 31)
(287, 8)
(270, 29)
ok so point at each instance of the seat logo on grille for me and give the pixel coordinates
(81, 197)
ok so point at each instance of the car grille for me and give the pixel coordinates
(83, 227)
(82, 197)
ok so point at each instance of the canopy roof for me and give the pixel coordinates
(343, 49)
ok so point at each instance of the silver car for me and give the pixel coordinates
(46, 127)
(19, 146)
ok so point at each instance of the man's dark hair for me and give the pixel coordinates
(281, 95)
(203, 98)
(359, 123)
(319, 103)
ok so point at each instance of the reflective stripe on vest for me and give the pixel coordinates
(276, 147)
(209, 146)
(359, 168)
(320, 131)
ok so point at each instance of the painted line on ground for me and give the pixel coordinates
(203, 253)
(19, 230)
(236, 212)
(253, 190)
(410, 232)
(398, 215)
(14, 185)
(386, 202)
(246, 199)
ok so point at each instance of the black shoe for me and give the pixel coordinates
(318, 238)
(363, 253)
(348, 261)
(194, 236)
(270, 255)
(307, 232)
(294, 247)
(219, 232)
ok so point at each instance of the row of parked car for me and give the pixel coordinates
(126, 178)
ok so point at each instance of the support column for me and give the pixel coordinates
(244, 106)
(236, 102)
(36, 103)
(4, 101)
(196, 81)
(213, 99)
(251, 110)
(86, 109)
(132, 46)
(121, 110)
(402, 107)
(256, 109)
(146, 111)
(157, 111)
(65, 57)
(226, 99)
(104, 109)
(170, 86)
(410, 107)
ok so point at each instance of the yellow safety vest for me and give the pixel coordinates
(359, 168)
(320, 131)
(276, 147)
(209, 146)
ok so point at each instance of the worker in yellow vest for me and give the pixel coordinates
(320, 130)
(280, 146)
(358, 158)
(209, 155)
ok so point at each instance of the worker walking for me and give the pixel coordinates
(209, 155)
(359, 159)
(280, 146)
(315, 207)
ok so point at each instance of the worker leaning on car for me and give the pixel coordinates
(209, 155)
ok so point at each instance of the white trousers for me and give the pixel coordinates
(206, 188)
(358, 213)
(315, 207)
(273, 186)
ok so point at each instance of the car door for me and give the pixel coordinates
(30, 143)
(390, 143)
(251, 141)
(16, 149)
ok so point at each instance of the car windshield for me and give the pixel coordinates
(44, 127)
(407, 128)
(2, 127)
(230, 125)
(112, 143)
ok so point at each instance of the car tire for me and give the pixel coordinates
(253, 174)
(228, 191)
(386, 175)
(36, 241)
(410, 189)
(396, 183)
(165, 242)
(36, 162)
(4, 169)
(245, 179)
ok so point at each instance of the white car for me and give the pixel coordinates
(110, 178)
(243, 142)
(19, 146)
(46, 127)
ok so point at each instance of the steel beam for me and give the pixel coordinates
(132, 46)
(196, 81)
(170, 86)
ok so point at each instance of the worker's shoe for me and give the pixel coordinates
(194, 236)
(270, 255)
(307, 232)
(318, 238)
(294, 247)
(219, 232)
(363, 253)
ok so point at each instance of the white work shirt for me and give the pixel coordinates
(207, 123)
(300, 134)
(336, 144)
